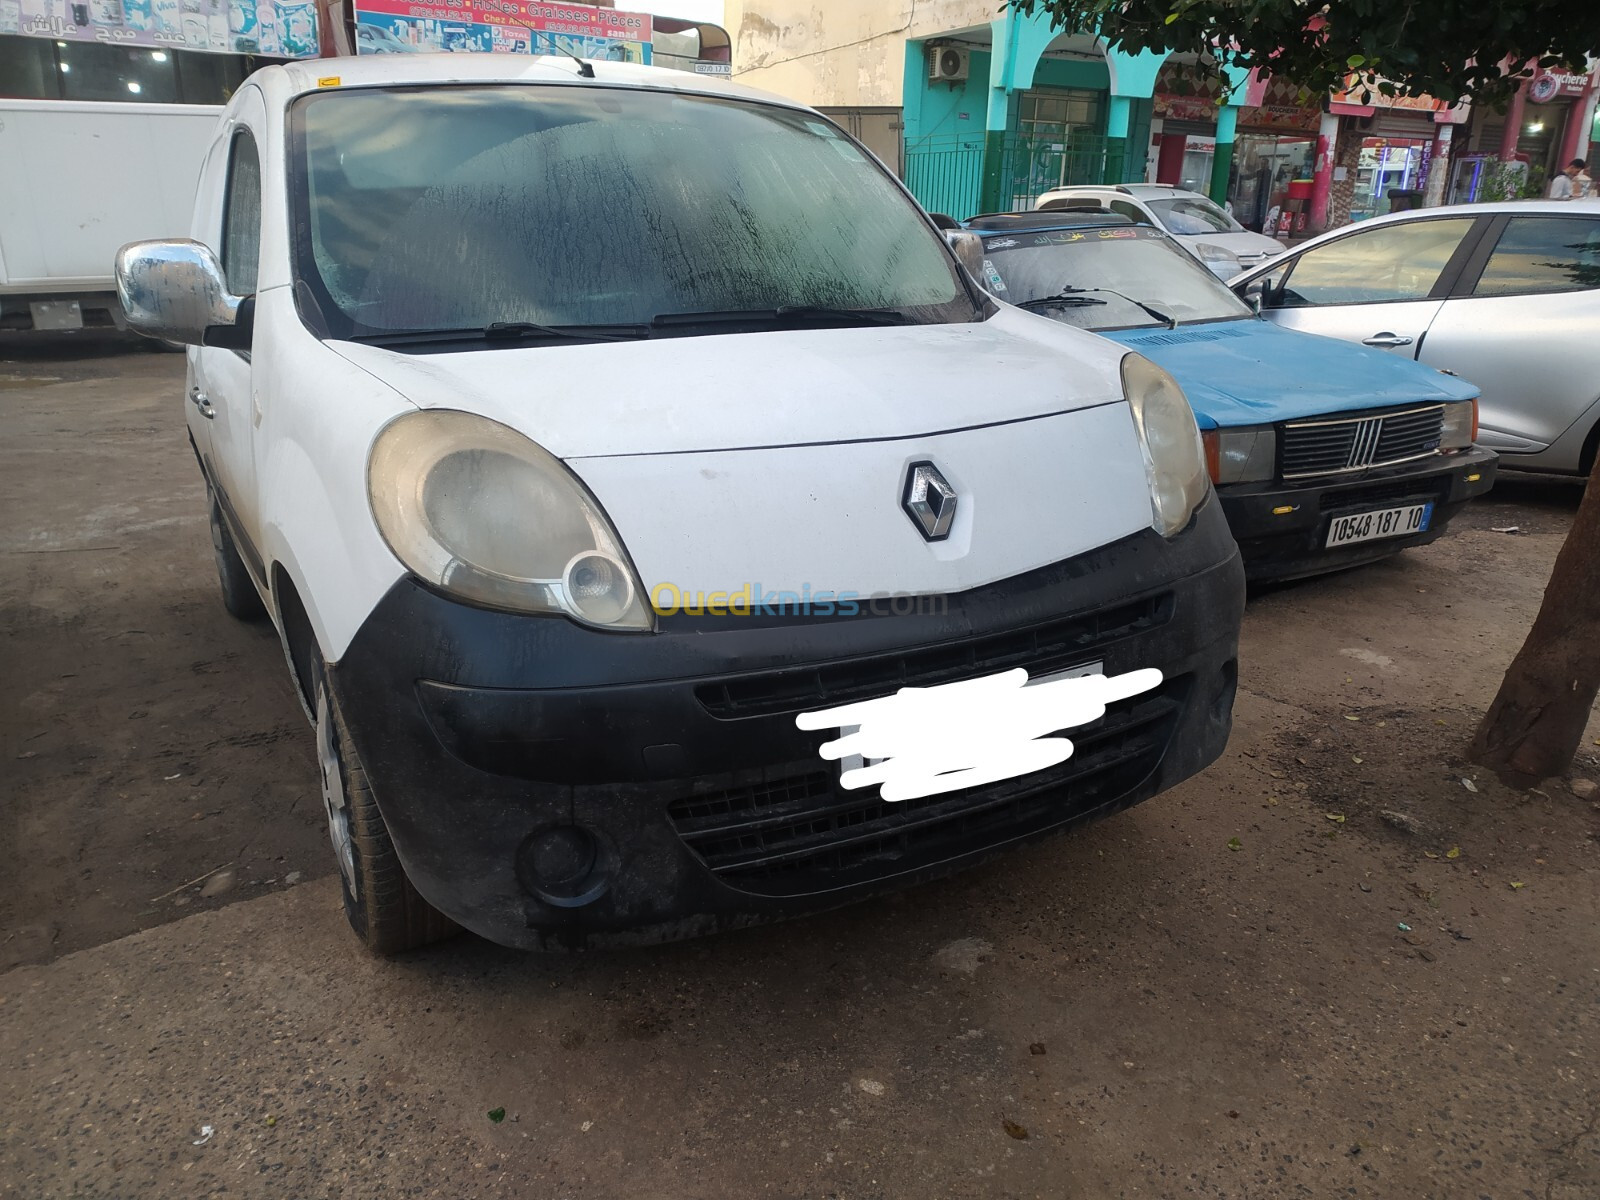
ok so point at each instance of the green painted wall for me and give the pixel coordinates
(1072, 73)
(1138, 140)
(952, 113)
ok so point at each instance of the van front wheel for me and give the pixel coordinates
(385, 910)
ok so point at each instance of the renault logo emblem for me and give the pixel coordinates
(929, 501)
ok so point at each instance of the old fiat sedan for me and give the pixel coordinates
(1325, 455)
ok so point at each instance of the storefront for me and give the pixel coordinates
(1274, 143)
(1387, 166)
(136, 51)
(1546, 126)
(1400, 139)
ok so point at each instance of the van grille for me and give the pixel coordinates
(797, 832)
(1338, 446)
(1053, 646)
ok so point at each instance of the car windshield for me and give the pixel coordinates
(1106, 278)
(546, 208)
(1193, 214)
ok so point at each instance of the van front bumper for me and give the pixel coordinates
(1282, 528)
(548, 785)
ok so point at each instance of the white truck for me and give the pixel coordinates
(78, 179)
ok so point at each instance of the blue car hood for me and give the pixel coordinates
(1251, 372)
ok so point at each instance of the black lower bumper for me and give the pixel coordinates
(546, 785)
(1282, 528)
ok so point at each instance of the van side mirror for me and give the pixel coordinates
(968, 248)
(175, 291)
(1254, 294)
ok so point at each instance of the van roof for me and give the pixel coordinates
(283, 82)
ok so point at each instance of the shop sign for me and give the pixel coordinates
(280, 28)
(1276, 117)
(1170, 107)
(1548, 85)
(1357, 93)
(501, 26)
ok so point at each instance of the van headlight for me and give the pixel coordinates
(1174, 461)
(484, 514)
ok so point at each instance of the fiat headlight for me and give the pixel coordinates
(1247, 454)
(482, 513)
(1174, 461)
(1460, 427)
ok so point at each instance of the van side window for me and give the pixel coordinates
(241, 217)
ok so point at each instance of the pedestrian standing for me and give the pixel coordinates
(1564, 186)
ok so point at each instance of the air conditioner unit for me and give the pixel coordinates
(948, 64)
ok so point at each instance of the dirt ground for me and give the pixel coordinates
(148, 736)
(1339, 963)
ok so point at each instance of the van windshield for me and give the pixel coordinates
(566, 208)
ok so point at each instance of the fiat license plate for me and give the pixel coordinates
(1380, 523)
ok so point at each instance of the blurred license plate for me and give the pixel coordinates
(851, 762)
(1380, 523)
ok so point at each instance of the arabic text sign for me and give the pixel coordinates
(506, 26)
(280, 28)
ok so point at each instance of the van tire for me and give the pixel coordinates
(385, 910)
(239, 595)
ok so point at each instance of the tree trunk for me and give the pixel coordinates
(1534, 727)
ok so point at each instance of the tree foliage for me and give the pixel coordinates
(1449, 49)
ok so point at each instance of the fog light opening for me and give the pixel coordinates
(565, 865)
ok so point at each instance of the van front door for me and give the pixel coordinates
(221, 386)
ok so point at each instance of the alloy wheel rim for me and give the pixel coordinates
(333, 797)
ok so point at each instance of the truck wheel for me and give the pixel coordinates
(386, 912)
(239, 595)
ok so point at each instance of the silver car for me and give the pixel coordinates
(1203, 228)
(1504, 295)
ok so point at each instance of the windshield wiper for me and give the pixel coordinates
(1066, 296)
(1063, 300)
(784, 312)
(589, 333)
(505, 331)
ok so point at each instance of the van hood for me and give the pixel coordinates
(1251, 372)
(674, 395)
(780, 460)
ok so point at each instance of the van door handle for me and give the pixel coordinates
(203, 403)
(1386, 339)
